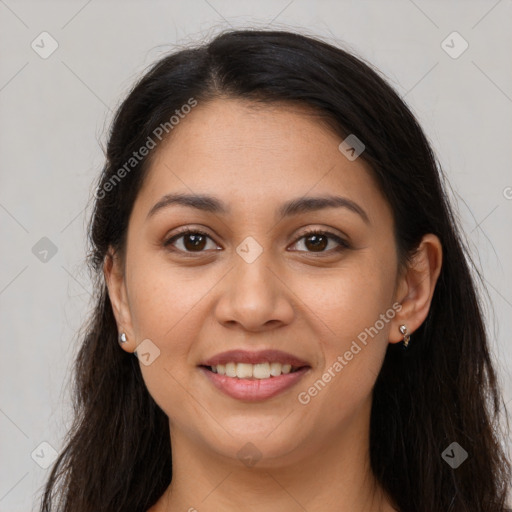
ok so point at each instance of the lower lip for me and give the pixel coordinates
(254, 390)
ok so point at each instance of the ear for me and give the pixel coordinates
(114, 277)
(416, 287)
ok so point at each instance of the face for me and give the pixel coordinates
(254, 280)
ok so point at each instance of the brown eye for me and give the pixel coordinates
(317, 241)
(193, 241)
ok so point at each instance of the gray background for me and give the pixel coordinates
(55, 113)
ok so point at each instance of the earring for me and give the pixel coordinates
(407, 337)
(122, 338)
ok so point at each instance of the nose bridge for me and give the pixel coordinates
(252, 278)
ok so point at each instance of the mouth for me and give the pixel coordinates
(253, 376)
(264, 383)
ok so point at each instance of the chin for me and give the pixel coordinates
(259, 446)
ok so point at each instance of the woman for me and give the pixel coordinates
(286, 318)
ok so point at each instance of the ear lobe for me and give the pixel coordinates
(114, 278)
(417, 285)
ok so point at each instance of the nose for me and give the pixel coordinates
(254, 297)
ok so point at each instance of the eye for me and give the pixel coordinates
(194, 240)
(318, 240)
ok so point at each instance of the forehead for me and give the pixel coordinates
(249, 154)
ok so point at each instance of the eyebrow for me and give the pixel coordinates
(296, 206)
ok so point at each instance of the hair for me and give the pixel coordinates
(442, 389)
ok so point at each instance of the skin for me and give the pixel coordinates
(294, 297)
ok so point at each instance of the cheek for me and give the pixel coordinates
(352, 310)
(164, 298)
(348, 300)
(164, 306)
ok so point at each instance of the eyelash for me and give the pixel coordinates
(343, 244)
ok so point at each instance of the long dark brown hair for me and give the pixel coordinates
(443, 389)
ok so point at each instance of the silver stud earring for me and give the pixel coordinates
(122, 338)
(407, 337)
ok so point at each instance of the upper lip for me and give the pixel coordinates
(255, 357)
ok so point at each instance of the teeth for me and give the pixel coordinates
(231, 369)
(247, 371)
(244, 371)
(261, 371)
